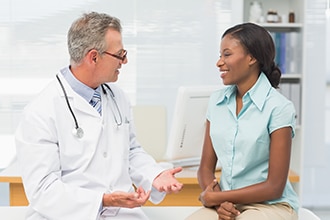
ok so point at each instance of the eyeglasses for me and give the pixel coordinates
(122, 58)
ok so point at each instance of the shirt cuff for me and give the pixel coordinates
(109, 211)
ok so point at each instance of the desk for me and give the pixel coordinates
(191, 190)
(16, 190)
(187, 197)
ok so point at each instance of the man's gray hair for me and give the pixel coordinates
(88, 32)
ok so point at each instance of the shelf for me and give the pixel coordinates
(285, 27)
(291, 76)
(281, 25)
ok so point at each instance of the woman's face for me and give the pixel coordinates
(234, 63)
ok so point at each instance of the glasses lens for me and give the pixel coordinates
(122, 57)
(124, 54)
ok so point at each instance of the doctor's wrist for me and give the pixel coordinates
(107, 208)
(107, 200)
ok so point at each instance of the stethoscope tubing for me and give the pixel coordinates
(68, 103)
(78, 131)
(115, 102)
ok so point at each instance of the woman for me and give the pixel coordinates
(249, 130)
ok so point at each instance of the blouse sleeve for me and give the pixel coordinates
(283, 116)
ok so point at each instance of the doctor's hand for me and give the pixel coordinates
(126, 199)
(166, 181)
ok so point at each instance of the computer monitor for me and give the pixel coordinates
(186, 134)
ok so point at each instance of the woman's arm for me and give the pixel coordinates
(208, 162)
(271, 188)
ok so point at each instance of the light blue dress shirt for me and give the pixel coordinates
(77, 86)
(242, 142)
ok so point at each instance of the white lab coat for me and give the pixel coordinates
(65, 177)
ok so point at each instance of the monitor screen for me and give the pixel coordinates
(186, 134)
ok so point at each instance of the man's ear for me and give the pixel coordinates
(92, 55)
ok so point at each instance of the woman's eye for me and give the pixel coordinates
(224, 55)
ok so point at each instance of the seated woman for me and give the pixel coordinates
(250, 126)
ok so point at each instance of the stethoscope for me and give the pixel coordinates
(78, 131)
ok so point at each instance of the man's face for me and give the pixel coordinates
(111, 60)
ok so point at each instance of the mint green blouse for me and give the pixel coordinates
(242, 142)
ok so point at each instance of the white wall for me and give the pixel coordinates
(327, 44)
(169, 43)
(316, 154)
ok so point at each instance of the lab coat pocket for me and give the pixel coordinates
(122, 137)
(75, 152)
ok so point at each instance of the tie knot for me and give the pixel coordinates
(97, 95)
(96, 101)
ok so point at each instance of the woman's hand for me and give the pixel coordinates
(205, 196)
(227, 211)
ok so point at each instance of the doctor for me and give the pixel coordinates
(79, 157)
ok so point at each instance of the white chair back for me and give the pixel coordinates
(151, 128)
(13, 212)
(305, 214)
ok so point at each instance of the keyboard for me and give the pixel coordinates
(191, 163)
(186, 162)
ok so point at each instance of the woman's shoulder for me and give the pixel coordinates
(277, 97)
(220, 94)
(277, 100)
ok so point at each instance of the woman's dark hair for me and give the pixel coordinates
(258, 42)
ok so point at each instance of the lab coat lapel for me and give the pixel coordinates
(76, 101)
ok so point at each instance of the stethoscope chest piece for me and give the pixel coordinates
(78, 132)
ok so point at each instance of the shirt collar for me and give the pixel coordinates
(260, 91)
(84, 91)
(257, 93)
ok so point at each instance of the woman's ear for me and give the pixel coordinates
(252, 60)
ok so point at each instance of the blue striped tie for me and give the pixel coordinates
(96, 101)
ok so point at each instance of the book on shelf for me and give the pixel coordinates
(292, 91)
(288, 53)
